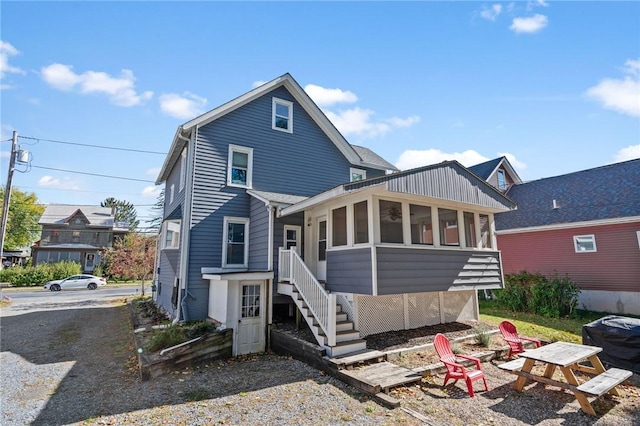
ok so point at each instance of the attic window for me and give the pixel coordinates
(502, 180)
(357, 174)
(282, 115)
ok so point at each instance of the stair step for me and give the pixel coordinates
(343, 348)
(358, 357)
(347, 335)
(344, 326)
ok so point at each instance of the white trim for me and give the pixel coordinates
(175, 242)
(570, 225)
(270, 239)
(591, 237)
(236, 220)
(236, 276)
(353, 171)
(638, 234)
(274, 103)
(298, 230)
(172, 191)
(243, 150)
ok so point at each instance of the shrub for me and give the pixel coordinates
(38, 275)
(555, 298)
(482, 336)
(517, 291)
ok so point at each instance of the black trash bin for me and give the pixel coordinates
(619, 338)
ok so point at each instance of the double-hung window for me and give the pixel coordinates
(282, 115)
(235, 252)
(240, 167)
(172, 234)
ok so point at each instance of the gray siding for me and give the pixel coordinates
(304, 163)
(349, 271)
(169, 269)
(258, 236)
(178, 196)
(402, 270)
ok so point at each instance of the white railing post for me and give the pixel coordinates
(331, 319)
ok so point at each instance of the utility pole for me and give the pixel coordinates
(7, 193)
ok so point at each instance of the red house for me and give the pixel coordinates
(585, 225)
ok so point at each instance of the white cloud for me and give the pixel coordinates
(531, 24)
(324, 97)
(120, 90)
(257, 83)
(51, 182)
(5, 154)
(491, 13)
(151, 191)
(537, 3)
(185, 106)
(357, 121)
(403, 122)
(153, 171)
(6, 51)
(622, 95)
(416, 158)
(629, 153)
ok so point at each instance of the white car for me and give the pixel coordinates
(76, 281)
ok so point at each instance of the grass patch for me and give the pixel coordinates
(482, 336)
(566, 329)
(65, 336)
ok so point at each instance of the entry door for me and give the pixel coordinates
(89, 262)
(321, 249)
(250, 324)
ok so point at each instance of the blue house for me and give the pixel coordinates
(268, 209)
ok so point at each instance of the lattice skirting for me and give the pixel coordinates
(379, 314)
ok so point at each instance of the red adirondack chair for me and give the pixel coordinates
(455, 370)
(515, 342)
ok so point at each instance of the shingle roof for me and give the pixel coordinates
(371, 157)
(60, 213)
(277, 198)
(607, 192)
(485, 169)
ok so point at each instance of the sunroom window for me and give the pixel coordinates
(360, 223)
(240, 166)
(448, 222)
(282, 116)
(391, 222)
(469, 230)
(584, 243)
(485, 231)
(339, 227)
(421, 228)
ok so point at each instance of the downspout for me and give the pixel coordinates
(269, 289)
(186, 224)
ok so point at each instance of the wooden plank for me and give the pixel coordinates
(604, 382)
(582, 399)
(387, 400)
(525, 375)
(512, 366)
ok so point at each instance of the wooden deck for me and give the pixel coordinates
(383, 375)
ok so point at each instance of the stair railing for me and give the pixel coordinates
(322, 304)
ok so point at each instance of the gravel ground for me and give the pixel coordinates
(77, 366)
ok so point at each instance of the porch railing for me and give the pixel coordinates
(322, 304)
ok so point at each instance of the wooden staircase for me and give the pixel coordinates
(347, 337)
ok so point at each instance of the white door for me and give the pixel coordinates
(89, 262)
(250, 324)
(321, 248)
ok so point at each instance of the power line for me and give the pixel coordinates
(22, 188)
(93, 146)
(94, 174)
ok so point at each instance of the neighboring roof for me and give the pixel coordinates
(448, 180)
(370, 157)
(276, 199)
(59, 214)
(602, 193)
(488, 168)
(69, 246)
(184, 132)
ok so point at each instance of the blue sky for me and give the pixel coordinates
(555, 86)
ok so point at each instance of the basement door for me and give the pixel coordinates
(250, 325)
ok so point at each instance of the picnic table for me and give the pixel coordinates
(568, 357)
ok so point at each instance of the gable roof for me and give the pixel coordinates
(487, 169)
(603, 193)
(60, 214)
(448, 180)
(371, 159)
(184, 132)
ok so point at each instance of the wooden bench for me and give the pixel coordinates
(512, 366)
(604, 382)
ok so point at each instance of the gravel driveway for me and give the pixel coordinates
(78, 366)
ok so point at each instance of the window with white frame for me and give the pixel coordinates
(502, 180)
(172, 191)
(584, 243)
(360, 222)
(339, 227)
(282, 115)
(357, 174)
(240, 167)
(171, 234)
(183, 168)
(236, 242)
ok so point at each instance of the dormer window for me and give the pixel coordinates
(502, 180)
(282, 115)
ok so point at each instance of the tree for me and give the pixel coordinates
(132, 256)
(22, 221)
(157, 210)
(124, 212)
